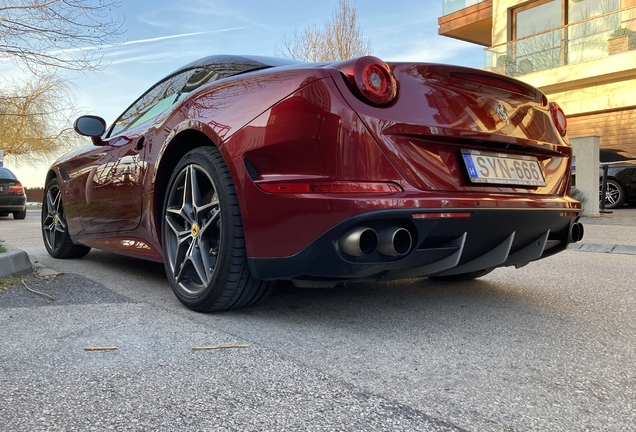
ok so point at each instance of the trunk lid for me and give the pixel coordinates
(444, 111)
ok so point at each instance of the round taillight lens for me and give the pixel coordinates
(375, 81)
(558, 116)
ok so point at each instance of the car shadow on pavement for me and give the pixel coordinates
(400, 304)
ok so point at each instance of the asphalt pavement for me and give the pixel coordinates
(549, 346)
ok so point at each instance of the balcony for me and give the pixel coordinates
(450, 6)
(467, 20)
(584, 41)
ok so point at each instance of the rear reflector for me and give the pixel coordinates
(568, 214)
(330, 187)
(440, 215)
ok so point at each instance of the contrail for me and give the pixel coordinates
(140, 41)
(174, 36)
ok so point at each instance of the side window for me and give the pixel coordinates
(161, 97)
(196, 80)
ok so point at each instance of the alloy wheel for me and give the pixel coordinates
(53, 220)
(193, 229)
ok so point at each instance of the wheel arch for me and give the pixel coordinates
(50, 175)
(181, 141)
(54, 173)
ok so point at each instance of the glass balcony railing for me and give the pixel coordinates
(450, 6)
(581, 42)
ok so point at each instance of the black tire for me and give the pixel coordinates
(203, 241)
(19, 214)
(3, 214)
(463, 276)
(614, 194)
(55, 234)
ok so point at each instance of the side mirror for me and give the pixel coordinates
(91, 126)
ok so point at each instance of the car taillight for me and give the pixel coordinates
(337, 187)
(558, 116)
(371, 80)
(16, 189)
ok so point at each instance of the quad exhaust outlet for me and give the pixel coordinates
(363, 241)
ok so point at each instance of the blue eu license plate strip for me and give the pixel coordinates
(501, 168)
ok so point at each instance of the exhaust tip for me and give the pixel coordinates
(358, 241)
(576, 232)
(394, 241)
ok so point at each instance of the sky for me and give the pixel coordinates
(163, 35)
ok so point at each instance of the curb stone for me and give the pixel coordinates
(14, 261)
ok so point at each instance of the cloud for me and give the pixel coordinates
(153, 23)
(200, 14)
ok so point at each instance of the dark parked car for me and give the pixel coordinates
(621, 177)
(12, 196)
(239, 171)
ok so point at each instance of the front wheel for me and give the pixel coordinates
(203, 242)
(55, 234)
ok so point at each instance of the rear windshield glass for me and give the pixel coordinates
(6, 174)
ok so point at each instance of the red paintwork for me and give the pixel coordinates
(305, 123)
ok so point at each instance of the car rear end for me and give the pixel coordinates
(482, 176)
(12, 195)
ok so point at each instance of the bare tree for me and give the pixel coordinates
(57, 33)
(30, 119)
(43, 37)
(340, 38)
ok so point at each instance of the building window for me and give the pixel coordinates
(549, 33)
(544, 15)
(544, 19)
(536, 17)
(580, 10)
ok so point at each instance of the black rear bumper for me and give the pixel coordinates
(10, 204)
(476, 239)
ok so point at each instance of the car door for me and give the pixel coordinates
(114, 171)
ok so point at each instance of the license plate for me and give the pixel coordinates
(501, 168)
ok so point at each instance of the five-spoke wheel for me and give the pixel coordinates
(614, 195)
(203, 243)
(57, 240)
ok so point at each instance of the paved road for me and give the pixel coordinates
(550, 346)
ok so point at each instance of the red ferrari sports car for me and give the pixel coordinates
(239, 171)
